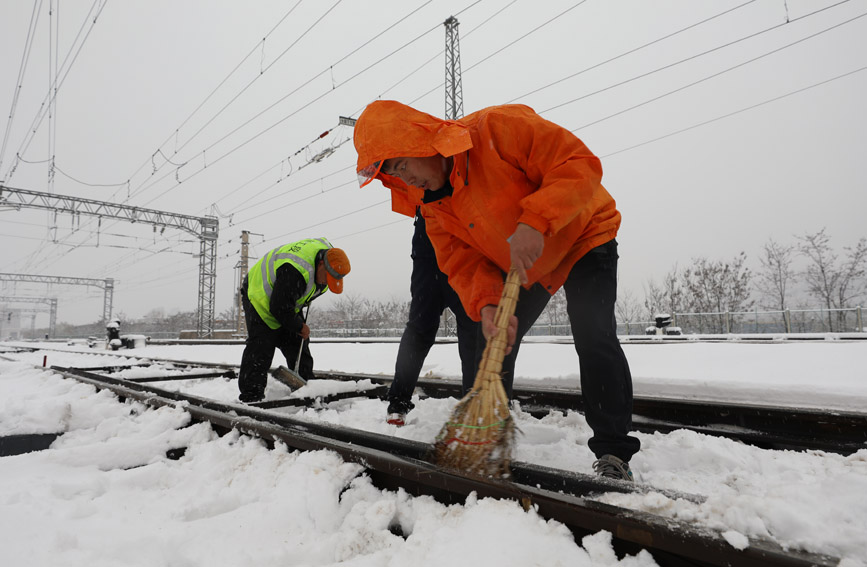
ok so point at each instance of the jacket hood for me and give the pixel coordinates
(389, 129)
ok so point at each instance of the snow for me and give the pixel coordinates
(106, 494)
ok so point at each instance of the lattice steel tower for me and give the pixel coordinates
(454, 91)
(243, 268)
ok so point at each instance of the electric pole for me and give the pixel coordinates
(107, 285)
(206, 229)
(454, 106)
(454, 90)
(50, 301)
(243, 267)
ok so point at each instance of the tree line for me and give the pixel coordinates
(808, 273)
(805, 274)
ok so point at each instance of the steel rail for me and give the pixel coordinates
(764, 426)
(389, 465)
(772, 427)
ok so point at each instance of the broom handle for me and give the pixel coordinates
(495, 350)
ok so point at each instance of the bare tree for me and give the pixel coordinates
(654, 298)
(777, 272)
(835, 285)
(820, 274)
(667, 297)
(852, 283)
(776, 275)
(627, 309)
(718, 287)
(349, 308)
(555, 312)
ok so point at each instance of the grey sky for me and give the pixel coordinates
(698, 159)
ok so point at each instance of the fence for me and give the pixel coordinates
(742, 322)
(732, 322)
(785, 321)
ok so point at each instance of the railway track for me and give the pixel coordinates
(764, 426)
(391, 462)
(768, 427)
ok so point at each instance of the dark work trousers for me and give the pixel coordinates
(606, 383)
(431, 294)
(259, 352)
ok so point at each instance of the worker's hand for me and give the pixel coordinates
(489, 327)
(526, 245)
(304, 333)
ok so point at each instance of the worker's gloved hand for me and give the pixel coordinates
(489, 327)
(304, 333)
(526, 245)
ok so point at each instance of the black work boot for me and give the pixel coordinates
(397, 410)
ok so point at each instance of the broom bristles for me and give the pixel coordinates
(479, 436)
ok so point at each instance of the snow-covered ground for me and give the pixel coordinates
(105, 493)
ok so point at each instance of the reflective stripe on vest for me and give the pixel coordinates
(302, 256)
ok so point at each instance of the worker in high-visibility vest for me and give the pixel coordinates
(274, 294)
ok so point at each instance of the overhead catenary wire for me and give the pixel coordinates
(756, 58)
(510, 44)
(440, 52)
(128, 181)
(64, 71)
(689, 58)
(22, 68)
(648, 142)
(400, 220)
(287, 117)
(296, 202)
(631, 51)
(145, 187)
(344, 82)
(282, 177)
(714, 49)
(238, 95)
(53, 56)
(719, 73)
(338, 85)
(217, 88)
(736, 112)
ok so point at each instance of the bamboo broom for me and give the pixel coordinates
(479, 436)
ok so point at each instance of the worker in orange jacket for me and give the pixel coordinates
(504, 187)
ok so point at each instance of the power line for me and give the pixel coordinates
(631, 51)
(40, 115)
(290, 115)
(250, 120)
(438, 54)
(338, 217)
(219, 112)
(214, 91)
(511, 43)
(639, 144)
(773, 51)
(57, 168)
(703, 53)
(19, 82)
(292, 170)
(730, 114)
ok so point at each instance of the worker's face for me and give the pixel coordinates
(427, 173)
(321, 276)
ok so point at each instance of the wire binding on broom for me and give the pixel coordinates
(479, 436)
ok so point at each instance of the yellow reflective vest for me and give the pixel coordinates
(260, 280)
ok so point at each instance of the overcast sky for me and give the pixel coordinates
(720, 125)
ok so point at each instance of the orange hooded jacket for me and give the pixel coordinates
(510, 166)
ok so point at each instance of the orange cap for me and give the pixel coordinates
(336, 267)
